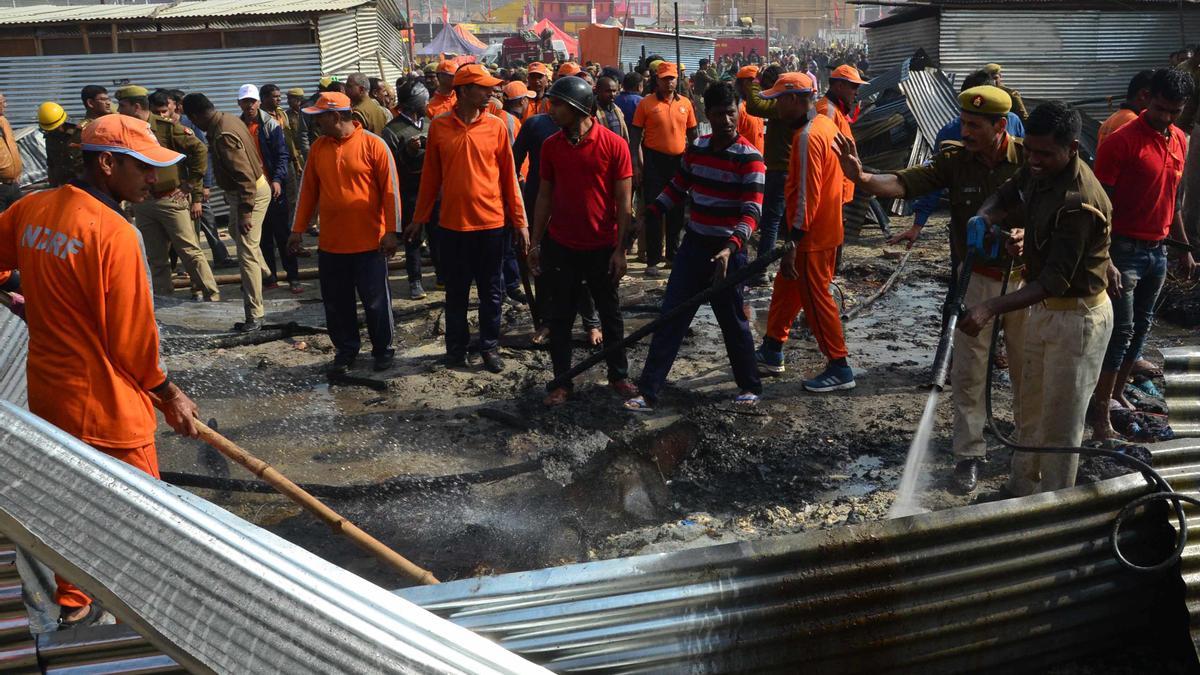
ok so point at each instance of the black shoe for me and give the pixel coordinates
(251, 326)
(518, 296)
(492, 362)
(454, 360)
(341, 363)
(383, 362)
(966, 476)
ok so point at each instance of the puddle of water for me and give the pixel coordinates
(857, 482)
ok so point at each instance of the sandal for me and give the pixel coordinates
(747, 399)
(638, 404)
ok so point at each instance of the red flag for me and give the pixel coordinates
(837, 15)
(445, 13)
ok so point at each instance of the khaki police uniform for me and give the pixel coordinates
(970, 181)
(371, 115)
(1067, 221)
(64, 159)
(164, 219)
(1018, 103)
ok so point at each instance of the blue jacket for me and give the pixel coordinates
(274, 148)
(925, 205)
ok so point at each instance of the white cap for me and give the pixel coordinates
(248, 91)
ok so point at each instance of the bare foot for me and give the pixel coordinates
(595, 337)
(1122, 401)
(1106, 432)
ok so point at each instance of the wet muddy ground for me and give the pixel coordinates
(695, 472)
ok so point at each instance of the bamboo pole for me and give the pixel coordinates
(304, 275)
(294, 492)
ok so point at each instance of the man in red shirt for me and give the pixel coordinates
(351, 178)
(1140, 165)
(583, 210)
(93, 368)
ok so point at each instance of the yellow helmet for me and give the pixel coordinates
(51, 116)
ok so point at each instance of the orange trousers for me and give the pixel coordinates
(144, 458)
(810, 292)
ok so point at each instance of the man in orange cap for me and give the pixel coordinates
(568, 69)
(94, 368)
(749, 127)
(517, 99)
(838, 105)
(469, 156)
(443, 98)
(539, 79)
(813, 218)
(663, 125)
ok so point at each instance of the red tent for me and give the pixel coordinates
(559, 34)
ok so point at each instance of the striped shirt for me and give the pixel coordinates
(725, 188)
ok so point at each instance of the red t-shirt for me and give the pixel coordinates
(1143, 168)
(583, 215)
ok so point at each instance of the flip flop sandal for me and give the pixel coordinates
(638, 404)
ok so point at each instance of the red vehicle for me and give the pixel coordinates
(527, 47)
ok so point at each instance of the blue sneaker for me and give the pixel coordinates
(769, 361)
(835, 378)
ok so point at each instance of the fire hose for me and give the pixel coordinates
(978, 238)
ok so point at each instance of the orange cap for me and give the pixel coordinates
(447, 67)
(126, 135)
(667, 69)
(473, 73)
(516, 90)
(329, 101)
(569, 68)
(848, 73)
(539, 68)
(747, 73)
(790, 83)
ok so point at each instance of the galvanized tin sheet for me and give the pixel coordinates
(17, 650)
(210, 590)
(891, 45)
(14, 347)
(161, 11)
(1181, 370)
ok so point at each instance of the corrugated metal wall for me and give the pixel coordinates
(28, 81)
(342, 42)
(691, 49)
(1071, 55)
(14, 346)
(18, 653)
(889, 46)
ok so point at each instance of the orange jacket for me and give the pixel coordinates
(1115, 121)
(93, 343)
(751, 128)
(439, 104)
(472, 167)
(353, 184)
(824, 106)
(814, 187)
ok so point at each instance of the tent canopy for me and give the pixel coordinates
(453, 40)
(559, 34)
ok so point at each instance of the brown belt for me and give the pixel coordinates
(1067, 304)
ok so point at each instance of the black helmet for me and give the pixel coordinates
(575, 92)
(412, 96)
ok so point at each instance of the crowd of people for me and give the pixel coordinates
(566, 173)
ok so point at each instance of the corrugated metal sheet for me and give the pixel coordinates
(14, 347)
(341, 47)
(25, 15)
(17, 650)
(692, 48)
(210, 590)
(216, 72)
(392, 50)
(1073, 55)
(1005, 587)
(112, 650)
(890, 45)
(1181, 368)
(32, 146)
(931, 100)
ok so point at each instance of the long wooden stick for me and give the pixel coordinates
(295, 493)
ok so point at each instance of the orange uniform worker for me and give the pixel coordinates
(93, 343)
(749, 127)
(838, 104)
(814, 197)
(1137, 97)
(443, 98)
(351, 180)
(469, 159)
(539, 80)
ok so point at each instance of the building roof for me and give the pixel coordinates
(912, 9)
(186, 9)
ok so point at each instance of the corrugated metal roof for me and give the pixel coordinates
(931, 99)
(210, 590)
(187, 9)
(14, 347)
(18, 653)
(890, 45)
(1181, 368)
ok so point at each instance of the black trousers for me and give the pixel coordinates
(276, 230)
(208, 228)
(658, 170)
(341, 275)
(466, 258)
(571, 273)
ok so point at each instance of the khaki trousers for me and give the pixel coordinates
(165, 223)
(250, 258)
(968, 367)
(1064, 349)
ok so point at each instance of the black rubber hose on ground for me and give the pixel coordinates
(1162, 489)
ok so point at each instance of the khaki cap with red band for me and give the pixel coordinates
(126, 135)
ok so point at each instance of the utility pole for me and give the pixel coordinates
(412, 36)
(767, 26)
(678, 53)
(658, 21)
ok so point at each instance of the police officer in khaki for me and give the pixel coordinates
(1065, 215)
(166, 218)
(987, 157)
(1018, 104)
(64, 160)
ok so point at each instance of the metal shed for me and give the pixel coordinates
(1082, 52)
(211, 46)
